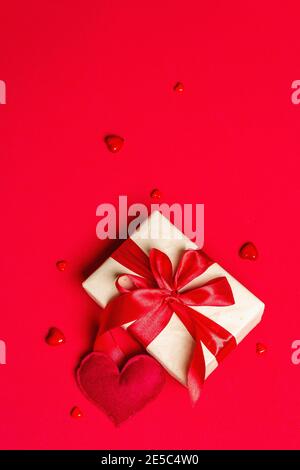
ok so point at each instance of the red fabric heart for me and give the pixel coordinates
(120, 394)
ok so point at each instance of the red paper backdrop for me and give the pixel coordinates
(76, 71)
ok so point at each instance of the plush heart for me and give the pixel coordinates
(120, 394)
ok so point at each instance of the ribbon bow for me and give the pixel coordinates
(150, 297)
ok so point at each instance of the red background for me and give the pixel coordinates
(77, 70)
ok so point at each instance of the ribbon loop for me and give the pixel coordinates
(215, 293)
(161, 268)
(192, 264)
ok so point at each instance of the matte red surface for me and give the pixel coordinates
(78, 71)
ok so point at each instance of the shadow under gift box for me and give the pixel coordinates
(173, 346)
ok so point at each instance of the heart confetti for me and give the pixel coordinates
(260, 349)
(248, 251)
(76, 413)
(114, 143)
(55, 337)
(179, 88)
(155, 194)
(61, 265)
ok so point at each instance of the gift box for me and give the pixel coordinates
(186, 310)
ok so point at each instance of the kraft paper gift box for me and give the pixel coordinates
(174, 345)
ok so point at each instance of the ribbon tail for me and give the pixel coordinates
(196, 373)
(216, 338)
(219, 341)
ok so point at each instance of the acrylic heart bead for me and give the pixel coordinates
(248, 251)
(114, 143)
(61, 265)
(55, 337)
(179, 88)
(76, 413)
(260, 348)
(155, 194)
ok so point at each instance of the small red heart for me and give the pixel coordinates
(155, 194)
(261, 348)
(248, 251)
(76, 413)
(178, 87)
(55, 337)
(114, 143)
(61, 265)
(120, 394)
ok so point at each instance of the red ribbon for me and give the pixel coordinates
(152, 296)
